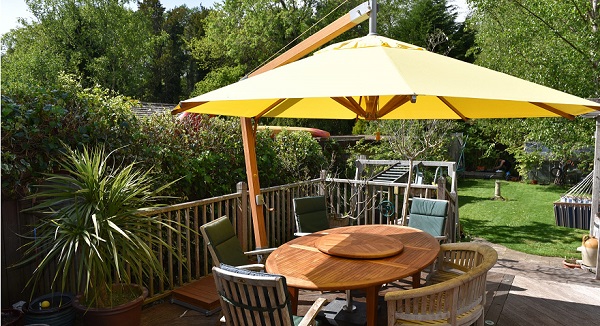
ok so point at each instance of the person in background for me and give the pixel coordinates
(503, 166)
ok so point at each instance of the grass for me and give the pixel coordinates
(524, 221)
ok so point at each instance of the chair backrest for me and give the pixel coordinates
(252, 298)
(429, 215)
(223, 244)
(456, 301)
(462, 256)
(311, 214)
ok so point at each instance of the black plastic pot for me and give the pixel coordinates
(59, 313)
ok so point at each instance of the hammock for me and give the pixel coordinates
(580, 193)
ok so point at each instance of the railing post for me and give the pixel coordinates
(441, 188)
(322, 177)
(242, 223)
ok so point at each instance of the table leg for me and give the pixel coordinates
(293, 299)
(372, 300)
(416, 280)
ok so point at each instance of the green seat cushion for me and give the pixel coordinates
(429, 207)
(428, 215)
(433, 225)
(225, 243)
(311, 214)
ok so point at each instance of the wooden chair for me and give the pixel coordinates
(458, 300)
(429, 215)
(454, 260)
(252, 298)
(225, 247)
(311, 215)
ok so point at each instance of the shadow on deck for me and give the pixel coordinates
(511, 300)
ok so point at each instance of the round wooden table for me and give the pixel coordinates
(305, 266)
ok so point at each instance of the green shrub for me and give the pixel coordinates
(299, 156)
(206, 154)
(35, 121)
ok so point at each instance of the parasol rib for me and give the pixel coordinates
(394, 103)
(182, 107)
(448, 104)
(351, 104)
(269, 108)
(553, 110)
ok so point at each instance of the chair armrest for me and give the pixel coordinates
(309, 318)
(301, 234)
(253, 267)
(256, 252)
(260, 254)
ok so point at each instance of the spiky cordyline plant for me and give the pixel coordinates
(91, 227)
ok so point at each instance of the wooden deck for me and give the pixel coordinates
(522, 290)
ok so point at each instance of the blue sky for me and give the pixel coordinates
(10, 10)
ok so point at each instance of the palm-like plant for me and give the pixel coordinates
(91, 227)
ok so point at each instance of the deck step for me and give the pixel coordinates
(200, 295)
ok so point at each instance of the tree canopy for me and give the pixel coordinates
(551, 42)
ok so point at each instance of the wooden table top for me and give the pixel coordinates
(359, 245)
(307, 267)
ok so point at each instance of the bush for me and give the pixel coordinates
(35, 121)
(299, 156)
(206, 153)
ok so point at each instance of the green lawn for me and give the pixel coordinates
(524, 222)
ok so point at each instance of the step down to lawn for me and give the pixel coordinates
(200, 295)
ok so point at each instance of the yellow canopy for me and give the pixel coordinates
(374, 77)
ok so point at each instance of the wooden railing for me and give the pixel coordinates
(356, 198)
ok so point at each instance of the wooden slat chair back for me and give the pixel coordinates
(454, 260)
(456, 301)
(429, 215)
(225, 248)
(252, 298)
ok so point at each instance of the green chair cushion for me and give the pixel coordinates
(310, 204)
(429, 207)
(311, 214)
(225, 243)
(313, 222)
(433, 225)
(230, 252)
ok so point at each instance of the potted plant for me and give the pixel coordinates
(91, 230)
(571, 262)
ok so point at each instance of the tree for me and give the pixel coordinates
(551, 42)
(242, 35)
(100, 40)
(172, 67)
(412, 139)
(427, 23)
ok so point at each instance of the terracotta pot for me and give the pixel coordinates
(126, 314)
(570, 264)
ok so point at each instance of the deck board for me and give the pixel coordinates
(522, 290)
